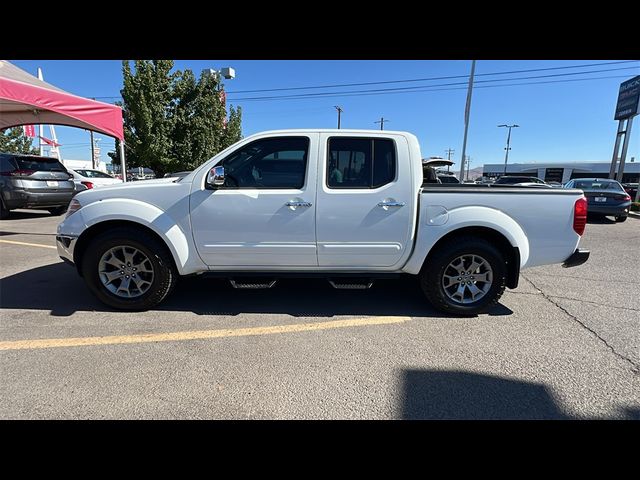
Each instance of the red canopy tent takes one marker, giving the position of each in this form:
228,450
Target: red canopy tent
27,100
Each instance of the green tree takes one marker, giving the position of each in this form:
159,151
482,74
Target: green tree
233,132
198,120
147,103
13,140
174,121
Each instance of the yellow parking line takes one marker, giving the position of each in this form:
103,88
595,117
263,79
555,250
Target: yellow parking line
28,244
196,334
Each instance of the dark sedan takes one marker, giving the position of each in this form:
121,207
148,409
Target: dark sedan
604,196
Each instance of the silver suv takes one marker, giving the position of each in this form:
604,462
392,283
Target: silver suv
30,181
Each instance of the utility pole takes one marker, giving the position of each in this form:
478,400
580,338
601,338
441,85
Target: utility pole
381,122
93,151
507,148
449,151
339,109
467,111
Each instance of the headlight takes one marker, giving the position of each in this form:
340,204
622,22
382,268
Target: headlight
74,206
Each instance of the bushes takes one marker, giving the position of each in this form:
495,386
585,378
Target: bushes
635,207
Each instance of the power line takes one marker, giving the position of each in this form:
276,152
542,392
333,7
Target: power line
425,79
396,89
431,89
418,79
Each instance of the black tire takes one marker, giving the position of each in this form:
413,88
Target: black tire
431,276
57,210
4,212
622,218
165,273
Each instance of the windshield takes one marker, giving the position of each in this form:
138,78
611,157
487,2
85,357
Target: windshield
93,174
39,164
598,185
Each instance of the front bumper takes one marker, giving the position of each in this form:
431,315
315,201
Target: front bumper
66,245
578,257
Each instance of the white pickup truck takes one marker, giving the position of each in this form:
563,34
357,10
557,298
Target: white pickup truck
351,206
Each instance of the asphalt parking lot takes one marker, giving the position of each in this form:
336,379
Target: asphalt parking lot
564,345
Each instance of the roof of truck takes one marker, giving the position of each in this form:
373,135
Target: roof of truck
333,130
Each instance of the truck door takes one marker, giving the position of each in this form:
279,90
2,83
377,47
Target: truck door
365,201
264,214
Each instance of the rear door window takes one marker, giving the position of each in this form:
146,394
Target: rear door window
360,162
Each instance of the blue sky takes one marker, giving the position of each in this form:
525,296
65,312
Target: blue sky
569,121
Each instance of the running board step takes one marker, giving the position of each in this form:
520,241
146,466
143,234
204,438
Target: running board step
351,284
263,283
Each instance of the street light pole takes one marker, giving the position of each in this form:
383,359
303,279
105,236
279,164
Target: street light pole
507,148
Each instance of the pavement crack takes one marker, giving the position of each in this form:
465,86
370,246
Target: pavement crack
601,280
594,303
635,368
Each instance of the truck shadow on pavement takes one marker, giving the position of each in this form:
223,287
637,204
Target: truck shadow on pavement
460,395
59,289
464,395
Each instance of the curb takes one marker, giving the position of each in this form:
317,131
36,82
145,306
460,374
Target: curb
635,215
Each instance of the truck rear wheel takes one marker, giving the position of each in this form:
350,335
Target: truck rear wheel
128,269
465,277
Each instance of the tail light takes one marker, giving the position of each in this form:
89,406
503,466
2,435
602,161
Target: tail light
87,184
624,198
580,215
18,173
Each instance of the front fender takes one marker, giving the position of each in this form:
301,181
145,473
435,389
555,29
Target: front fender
150,216
431,230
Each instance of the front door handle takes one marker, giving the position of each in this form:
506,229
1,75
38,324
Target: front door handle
298,204
391,204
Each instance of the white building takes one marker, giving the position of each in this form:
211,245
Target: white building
84,164
562,171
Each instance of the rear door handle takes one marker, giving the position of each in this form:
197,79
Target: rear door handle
391,204
298,204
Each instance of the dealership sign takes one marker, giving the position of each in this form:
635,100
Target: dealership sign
628,98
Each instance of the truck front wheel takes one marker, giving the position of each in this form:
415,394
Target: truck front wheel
128,269
465,277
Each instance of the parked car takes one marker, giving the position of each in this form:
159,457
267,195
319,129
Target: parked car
140,173
177,174
631,189
555,184
272,205
31,181
447,177
86,179
430,174
604,196
520,181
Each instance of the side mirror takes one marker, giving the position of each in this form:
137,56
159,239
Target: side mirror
215,177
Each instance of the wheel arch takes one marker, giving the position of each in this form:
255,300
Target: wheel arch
510,253
98,228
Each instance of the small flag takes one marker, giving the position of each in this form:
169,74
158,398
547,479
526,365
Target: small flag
29,131
223,97
49,142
